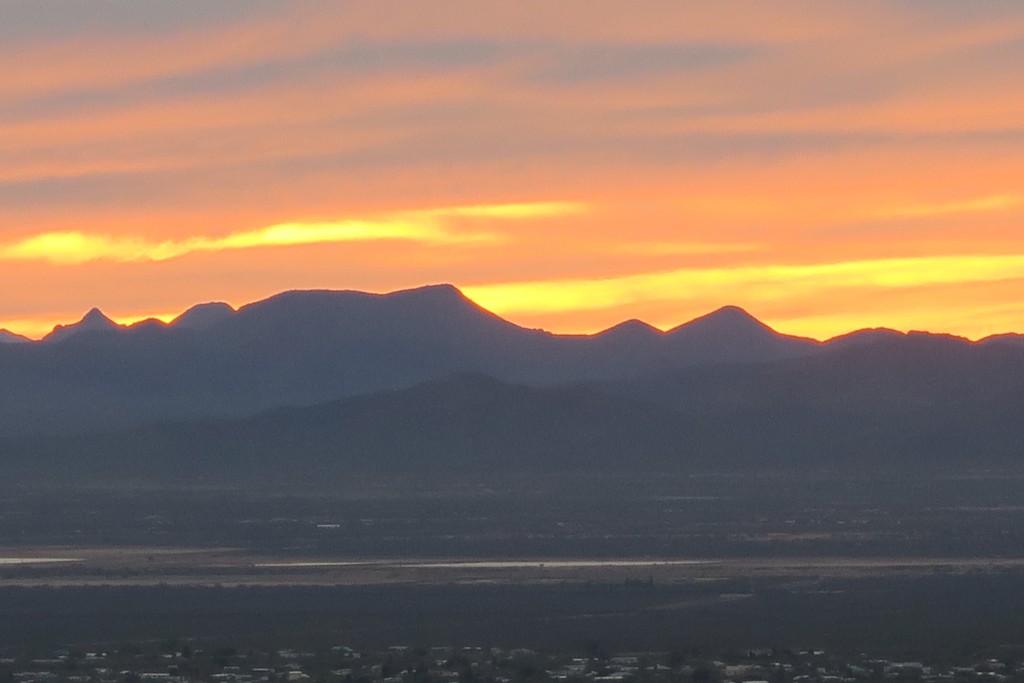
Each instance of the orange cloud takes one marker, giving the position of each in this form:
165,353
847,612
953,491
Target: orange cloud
428,226
743,283
1000,202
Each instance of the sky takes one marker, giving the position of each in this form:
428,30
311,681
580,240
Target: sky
826,165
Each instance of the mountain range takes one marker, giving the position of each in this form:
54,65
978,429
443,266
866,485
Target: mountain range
302,348
315,380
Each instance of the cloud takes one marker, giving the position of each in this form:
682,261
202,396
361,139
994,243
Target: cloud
743,283
520,210
50,18
344,64
1001,202
642,248
431,226
583,64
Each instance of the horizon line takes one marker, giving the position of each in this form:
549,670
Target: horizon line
35,332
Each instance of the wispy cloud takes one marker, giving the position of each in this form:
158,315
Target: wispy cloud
586,64
431,226
999,202
511,211
684,248
743,284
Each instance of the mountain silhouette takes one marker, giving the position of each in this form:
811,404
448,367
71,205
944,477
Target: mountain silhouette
8,337
92,322
863,337
730,334
1007,339
930,404
630,332
202,316
464,422
425,377
306,347
918,398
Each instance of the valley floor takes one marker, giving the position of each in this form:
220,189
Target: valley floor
904,566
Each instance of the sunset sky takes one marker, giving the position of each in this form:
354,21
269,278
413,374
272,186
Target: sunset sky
826,165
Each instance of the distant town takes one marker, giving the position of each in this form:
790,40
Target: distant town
178,662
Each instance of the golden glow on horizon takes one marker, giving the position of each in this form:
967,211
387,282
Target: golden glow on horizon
427,226
37,328
744,283
33,328
132,319
755,287
828,166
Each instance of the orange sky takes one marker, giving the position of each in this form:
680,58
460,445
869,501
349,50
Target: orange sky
827,166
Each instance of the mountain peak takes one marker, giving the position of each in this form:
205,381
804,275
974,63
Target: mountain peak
630,329
202,316
8,337
93,321
96,318
733,313
442,293
730,334
868,335
441,288
1006,338
441,300
725,320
